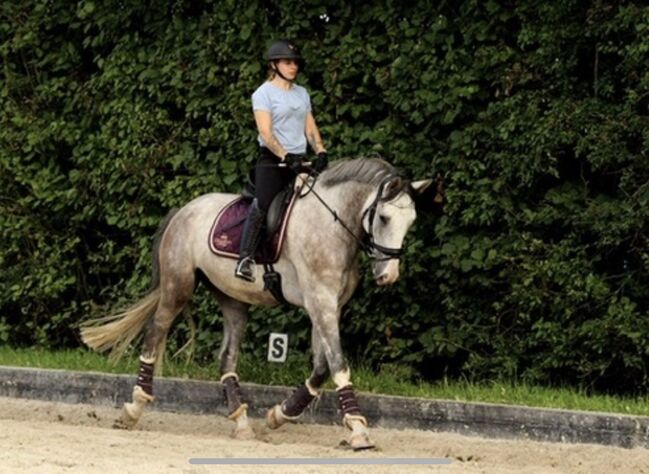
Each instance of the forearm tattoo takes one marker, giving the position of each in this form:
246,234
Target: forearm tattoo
315,141
275,146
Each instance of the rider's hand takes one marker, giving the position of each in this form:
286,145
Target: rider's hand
321,161
294,161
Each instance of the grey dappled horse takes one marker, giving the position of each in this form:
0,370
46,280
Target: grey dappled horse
319,268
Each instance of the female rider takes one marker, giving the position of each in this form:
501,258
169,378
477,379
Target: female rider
285,123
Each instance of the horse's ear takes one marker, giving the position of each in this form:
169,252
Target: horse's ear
392,187
421,186
429,199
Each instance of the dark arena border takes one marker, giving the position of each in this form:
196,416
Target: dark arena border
473,419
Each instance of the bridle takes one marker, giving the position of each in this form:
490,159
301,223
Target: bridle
388,253
370,247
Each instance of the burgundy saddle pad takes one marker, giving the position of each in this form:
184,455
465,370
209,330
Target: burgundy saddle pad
227,230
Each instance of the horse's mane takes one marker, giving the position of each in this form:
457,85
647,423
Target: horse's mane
361,170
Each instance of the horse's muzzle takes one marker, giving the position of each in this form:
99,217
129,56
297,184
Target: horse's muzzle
387,273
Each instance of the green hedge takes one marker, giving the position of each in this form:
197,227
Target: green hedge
113,112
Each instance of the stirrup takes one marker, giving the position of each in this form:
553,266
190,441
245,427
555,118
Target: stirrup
245,269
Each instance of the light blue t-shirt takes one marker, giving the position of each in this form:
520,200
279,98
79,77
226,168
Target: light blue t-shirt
288,110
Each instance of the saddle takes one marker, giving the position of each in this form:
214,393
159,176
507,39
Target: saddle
225,235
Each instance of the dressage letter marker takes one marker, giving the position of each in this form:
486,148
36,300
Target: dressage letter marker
277,347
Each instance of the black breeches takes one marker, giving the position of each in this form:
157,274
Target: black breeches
270,179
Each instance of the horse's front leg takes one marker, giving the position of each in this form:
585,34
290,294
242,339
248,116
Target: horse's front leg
235,315
325,314
293,407
351,413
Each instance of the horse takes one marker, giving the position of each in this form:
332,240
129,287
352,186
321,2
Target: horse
362,203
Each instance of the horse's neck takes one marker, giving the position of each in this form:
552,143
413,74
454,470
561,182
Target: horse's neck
348,200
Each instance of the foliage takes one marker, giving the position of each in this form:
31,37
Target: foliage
114,112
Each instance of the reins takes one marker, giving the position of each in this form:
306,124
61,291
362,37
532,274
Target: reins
337,218
370,246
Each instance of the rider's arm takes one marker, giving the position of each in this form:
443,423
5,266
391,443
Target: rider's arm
265,127
313,134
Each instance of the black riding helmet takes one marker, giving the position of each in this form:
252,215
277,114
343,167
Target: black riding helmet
284,49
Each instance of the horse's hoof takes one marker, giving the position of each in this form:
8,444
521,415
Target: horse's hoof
128,419
273,419
243,434
132,411
361,442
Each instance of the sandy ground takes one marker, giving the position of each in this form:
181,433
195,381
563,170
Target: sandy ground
54,437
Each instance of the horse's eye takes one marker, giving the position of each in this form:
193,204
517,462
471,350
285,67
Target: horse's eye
384,219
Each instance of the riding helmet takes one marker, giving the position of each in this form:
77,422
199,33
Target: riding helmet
283,49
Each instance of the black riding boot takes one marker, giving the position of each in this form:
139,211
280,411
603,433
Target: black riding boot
249,241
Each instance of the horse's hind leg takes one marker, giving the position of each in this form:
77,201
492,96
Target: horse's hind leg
235,316
293,407
176,292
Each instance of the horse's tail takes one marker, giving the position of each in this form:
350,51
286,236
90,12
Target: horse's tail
117,331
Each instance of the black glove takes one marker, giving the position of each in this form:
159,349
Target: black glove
321,161
294,161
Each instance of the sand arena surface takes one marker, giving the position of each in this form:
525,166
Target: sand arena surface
52,437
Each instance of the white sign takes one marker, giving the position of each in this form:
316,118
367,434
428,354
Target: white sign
277,347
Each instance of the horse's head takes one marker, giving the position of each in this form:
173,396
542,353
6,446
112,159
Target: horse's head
386,219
